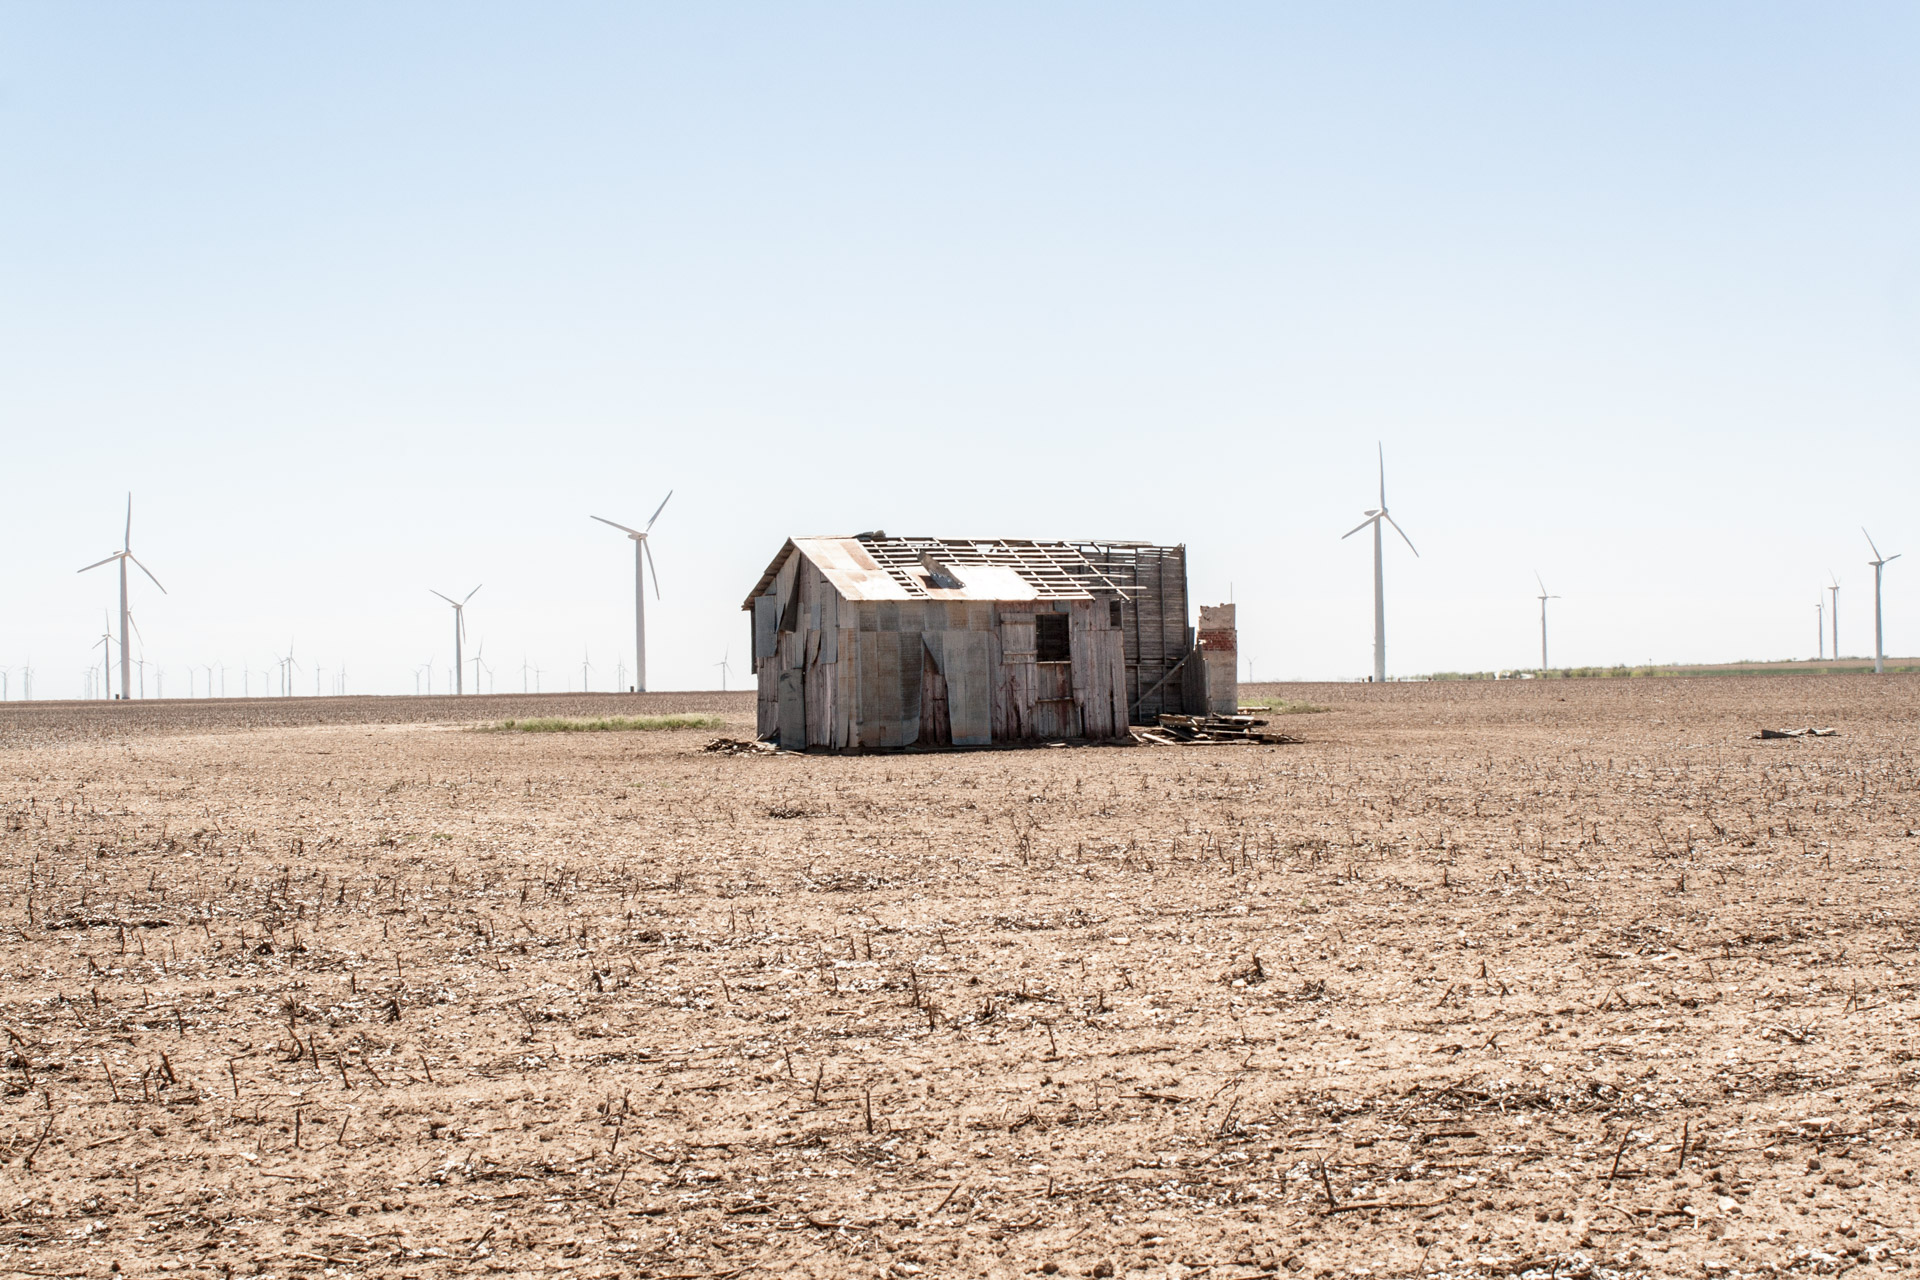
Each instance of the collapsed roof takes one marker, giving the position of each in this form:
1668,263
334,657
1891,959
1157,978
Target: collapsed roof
873,566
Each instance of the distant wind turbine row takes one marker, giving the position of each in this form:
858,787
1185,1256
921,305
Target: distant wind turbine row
1827,614
1379,516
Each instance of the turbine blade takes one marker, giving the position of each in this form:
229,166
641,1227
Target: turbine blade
648,552
155,581
1383,475
657,510
97,563
1895,556
1402,532
1536,575
1363,524
449,599
1869,538
127,543
474,592
616,524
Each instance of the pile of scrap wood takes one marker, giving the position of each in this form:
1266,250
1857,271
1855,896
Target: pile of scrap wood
1176,731
1798,733
734,747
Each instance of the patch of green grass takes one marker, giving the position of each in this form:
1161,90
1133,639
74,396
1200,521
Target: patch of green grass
606,724
1282,707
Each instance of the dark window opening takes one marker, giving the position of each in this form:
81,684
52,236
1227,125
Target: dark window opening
1050,641
1113,614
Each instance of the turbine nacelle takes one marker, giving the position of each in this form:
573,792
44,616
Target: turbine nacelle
1879,559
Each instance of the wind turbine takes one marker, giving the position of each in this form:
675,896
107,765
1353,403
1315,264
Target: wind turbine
1820,628
1833,614
287,667
1544,597
1878,562
123,555
478,654
1376,518
725,667
105,645
140,663
641,553
459,634
585,667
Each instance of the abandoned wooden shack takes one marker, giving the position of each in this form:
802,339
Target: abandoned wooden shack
873,642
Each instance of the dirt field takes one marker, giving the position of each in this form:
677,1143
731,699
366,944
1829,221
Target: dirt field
1544,979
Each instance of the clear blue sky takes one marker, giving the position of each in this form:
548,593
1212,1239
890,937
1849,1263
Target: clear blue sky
366,299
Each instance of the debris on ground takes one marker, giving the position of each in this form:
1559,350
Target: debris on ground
1798,733
739,747
1181,731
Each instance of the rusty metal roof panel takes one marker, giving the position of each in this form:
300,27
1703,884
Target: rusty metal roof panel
856,575
876,567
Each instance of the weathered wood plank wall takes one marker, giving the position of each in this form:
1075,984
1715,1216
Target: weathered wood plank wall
1153,622
845,675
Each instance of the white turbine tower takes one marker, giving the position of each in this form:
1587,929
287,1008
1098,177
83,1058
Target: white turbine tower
459,634
725,666
123,555
1820,629
1544,597
641,552
1878,562
1833,614
1375,518
105,645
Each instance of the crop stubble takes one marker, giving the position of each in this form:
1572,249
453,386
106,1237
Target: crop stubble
1482,978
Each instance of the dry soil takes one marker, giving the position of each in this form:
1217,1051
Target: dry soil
1544,979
